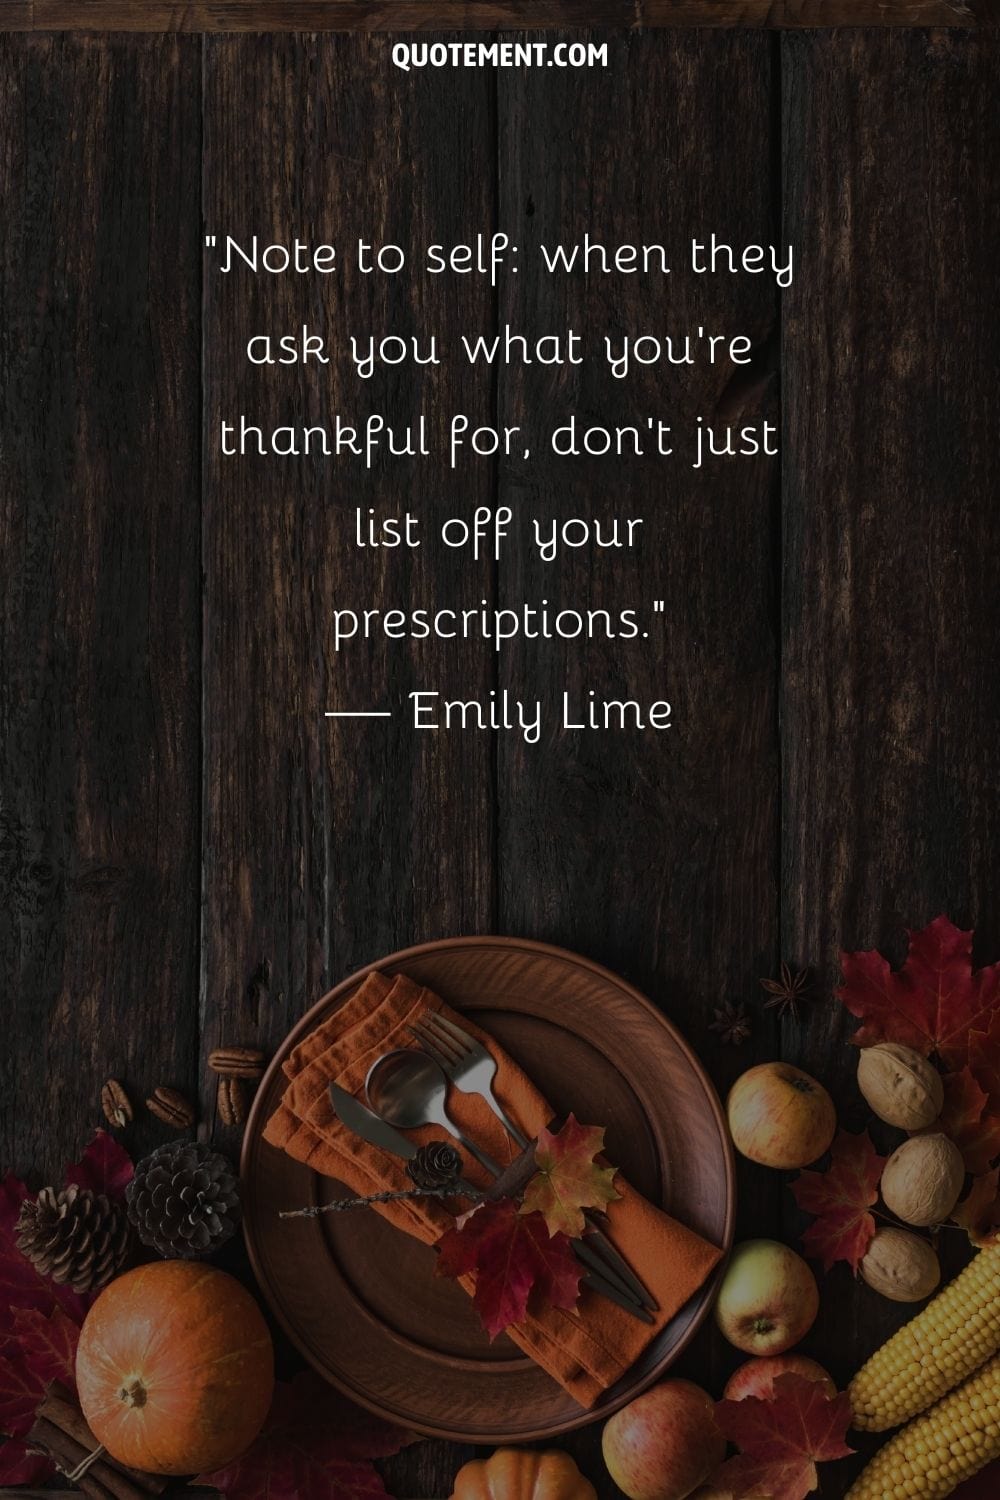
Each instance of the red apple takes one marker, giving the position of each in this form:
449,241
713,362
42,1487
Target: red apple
780,1117
757,1376
665,1443
768,1299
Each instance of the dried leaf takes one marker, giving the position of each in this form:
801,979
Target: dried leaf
20,1391
984,1059
19,1466
48,1344
569,1178
313,1443
933,1003
513,1259
977,1135
979,1211
782,1440
105,1167
840,1197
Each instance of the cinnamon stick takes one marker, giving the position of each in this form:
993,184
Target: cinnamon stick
66,1455
60,1408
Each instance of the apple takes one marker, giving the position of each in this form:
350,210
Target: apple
780,1117
665,1443
768,1299
756,1377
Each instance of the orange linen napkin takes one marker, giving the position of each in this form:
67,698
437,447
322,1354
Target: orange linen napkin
585,1351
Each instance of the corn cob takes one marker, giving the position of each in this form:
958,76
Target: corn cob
934,1454
952,1336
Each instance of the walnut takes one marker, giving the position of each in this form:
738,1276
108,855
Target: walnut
901,1266
902,1087
923,1178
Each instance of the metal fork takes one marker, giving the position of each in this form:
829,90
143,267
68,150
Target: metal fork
471,1068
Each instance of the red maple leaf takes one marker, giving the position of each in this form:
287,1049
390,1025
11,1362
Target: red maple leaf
569,1178
48,1344
977,1135
979,1211
19,1466
105,1167
932,1004
21,1390
984,1059
840,1197
313,1443
513,1258
782,1440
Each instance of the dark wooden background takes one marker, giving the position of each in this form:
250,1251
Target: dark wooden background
190,854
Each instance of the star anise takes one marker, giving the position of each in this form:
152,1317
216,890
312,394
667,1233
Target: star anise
732,1024
788,992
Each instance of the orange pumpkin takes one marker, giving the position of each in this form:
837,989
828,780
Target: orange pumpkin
175,1368
513,1474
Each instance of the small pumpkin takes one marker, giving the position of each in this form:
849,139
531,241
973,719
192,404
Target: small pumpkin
175,1368
515,1474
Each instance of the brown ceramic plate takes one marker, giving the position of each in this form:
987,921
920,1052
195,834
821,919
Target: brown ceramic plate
359,1298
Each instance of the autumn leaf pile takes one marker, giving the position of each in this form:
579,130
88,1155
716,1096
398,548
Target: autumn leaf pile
39,1321
519,1255
940,1006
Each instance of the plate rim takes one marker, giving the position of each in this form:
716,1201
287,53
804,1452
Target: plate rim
253,1139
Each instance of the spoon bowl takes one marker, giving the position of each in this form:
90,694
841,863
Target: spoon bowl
408,1089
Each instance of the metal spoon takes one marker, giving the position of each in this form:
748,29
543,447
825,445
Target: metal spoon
409,1089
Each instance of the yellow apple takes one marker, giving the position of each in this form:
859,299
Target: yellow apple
768,1299
780,1117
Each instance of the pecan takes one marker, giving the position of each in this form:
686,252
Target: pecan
231,1101
116,1104
236,1062
171,1107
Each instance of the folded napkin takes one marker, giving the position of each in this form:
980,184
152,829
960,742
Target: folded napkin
586,1351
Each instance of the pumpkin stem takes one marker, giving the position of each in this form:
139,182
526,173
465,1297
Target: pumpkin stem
133,1394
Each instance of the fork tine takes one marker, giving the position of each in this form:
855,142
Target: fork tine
428,1046
444,1040
460,1037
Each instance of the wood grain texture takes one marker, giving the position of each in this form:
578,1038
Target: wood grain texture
329,842
484,15
890,714
99,518
655,852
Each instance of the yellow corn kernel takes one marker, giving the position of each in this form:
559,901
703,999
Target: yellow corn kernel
945,1342
938,1450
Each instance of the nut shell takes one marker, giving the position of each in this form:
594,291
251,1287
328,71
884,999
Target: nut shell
170,1106
902,1087
901,1266
923,1178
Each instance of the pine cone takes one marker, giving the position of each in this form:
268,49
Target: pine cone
184,1200
79,1238
436,1165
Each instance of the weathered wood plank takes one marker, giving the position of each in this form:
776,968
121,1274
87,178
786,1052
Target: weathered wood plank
890,718
330,843
99,521
485,15
653,852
